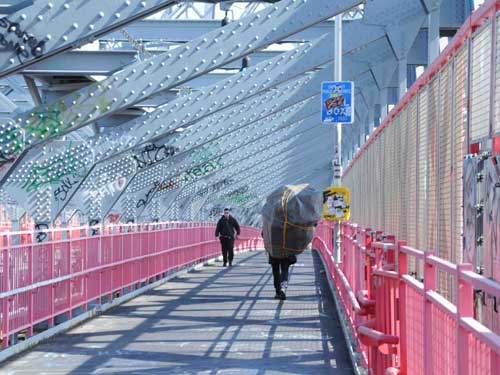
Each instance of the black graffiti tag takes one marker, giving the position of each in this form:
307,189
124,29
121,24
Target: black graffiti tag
93,223
149,195
215,187
61,193
153,154
26,46
40,234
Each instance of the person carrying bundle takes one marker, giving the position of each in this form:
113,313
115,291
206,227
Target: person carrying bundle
289,217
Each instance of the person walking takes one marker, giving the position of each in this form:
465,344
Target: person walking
225,230
280,274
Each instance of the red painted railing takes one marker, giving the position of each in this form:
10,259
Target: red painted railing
401,324
76,266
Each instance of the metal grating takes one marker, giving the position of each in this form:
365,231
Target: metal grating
459,136
403,175
496,122
422,196
411,167
444,201
481,75
432,160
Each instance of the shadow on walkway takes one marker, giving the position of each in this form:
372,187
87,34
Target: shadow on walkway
212,321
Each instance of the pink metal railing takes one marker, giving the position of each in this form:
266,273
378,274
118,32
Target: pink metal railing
402,325
76,266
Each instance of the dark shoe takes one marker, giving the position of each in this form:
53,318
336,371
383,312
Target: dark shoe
224,265
230,264
280,295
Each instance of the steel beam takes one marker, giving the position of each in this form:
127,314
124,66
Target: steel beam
44,28
163,72
191,110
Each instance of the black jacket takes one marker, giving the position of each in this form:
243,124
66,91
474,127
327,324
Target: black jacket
226,227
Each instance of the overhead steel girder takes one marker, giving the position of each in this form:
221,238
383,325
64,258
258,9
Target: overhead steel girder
259,195
148,181
105,147
186,142
261,192
296,178
47,28
356,36
278,126
190,109
143,79
224,176
247,150
140,184
261,174
280,151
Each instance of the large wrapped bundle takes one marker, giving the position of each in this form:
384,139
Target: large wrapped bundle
289,217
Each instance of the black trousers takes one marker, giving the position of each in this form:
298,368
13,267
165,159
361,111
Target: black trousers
280,273
227,245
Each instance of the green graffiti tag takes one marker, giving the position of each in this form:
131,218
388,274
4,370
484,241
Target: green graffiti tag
12,140
54,173
54,119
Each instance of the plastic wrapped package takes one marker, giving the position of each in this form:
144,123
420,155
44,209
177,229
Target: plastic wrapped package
289,218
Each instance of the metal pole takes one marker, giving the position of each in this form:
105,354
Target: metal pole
338,148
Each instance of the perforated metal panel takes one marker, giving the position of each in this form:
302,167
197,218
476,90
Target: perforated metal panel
481,75
459,137
422,196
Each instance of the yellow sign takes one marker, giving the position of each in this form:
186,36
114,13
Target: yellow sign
336,204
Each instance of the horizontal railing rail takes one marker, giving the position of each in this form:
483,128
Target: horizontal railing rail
401,324
73,268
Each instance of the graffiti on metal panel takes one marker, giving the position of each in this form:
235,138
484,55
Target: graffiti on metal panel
214,188
153,154
41,232
61,193
52,120
25,45
93,223
56,172
108,189
149,195
238,196
12,140
203,169
168,185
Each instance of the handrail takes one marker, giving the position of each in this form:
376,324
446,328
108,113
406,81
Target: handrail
397,311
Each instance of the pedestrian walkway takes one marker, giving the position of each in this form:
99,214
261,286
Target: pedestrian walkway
211,321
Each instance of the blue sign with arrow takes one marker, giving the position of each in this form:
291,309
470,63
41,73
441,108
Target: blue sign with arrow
337,102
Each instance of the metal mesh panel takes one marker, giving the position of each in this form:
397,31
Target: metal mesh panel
444,201
411,167
481,75
445,167
422,198
496,122
432,160
459,137
404,196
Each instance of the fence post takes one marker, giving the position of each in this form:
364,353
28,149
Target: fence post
465,309
402,269
429,285
5,300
